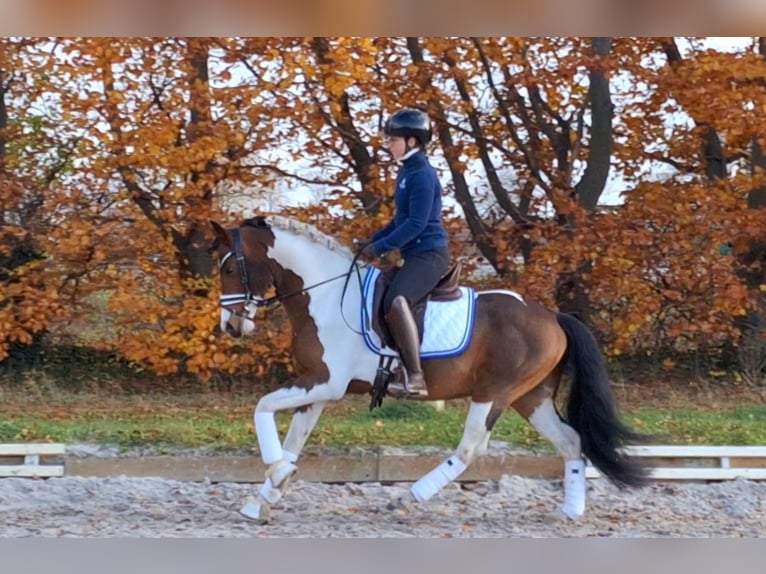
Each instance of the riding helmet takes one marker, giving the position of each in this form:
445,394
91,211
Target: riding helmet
409,122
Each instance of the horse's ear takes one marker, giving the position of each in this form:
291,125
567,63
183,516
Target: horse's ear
257,221
221,234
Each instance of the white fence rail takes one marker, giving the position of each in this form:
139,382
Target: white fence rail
24,459
700,462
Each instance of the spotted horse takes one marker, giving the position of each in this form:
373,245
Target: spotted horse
516,357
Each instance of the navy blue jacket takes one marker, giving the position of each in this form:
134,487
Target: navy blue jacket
417,225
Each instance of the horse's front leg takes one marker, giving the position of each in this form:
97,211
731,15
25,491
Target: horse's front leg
279,474
282,460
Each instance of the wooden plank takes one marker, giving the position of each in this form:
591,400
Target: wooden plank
410,468
30,454
739,462
30,471
246,469
669,462
23,449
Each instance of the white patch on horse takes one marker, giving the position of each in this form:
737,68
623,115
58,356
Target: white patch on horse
474,434
547,422
225,316
317,261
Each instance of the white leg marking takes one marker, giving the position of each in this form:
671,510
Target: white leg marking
294,397
285,398
475,431
438,478
574,489
300,429
281,461
483,447
567,443
225,316
474,434
301,426
269,493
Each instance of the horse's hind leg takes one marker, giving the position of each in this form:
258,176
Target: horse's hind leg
538,408
475,434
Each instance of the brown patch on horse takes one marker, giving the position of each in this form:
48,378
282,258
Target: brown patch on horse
307,349
514,347
359,387
256,238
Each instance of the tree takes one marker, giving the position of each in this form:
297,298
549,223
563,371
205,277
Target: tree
115,152
29,299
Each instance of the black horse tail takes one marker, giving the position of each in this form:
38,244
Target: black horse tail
592,411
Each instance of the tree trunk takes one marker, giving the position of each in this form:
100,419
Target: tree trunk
192,246
593,181
571,292
3,124
362,162
712,150
756,199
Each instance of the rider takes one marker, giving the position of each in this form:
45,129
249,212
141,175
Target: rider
417,231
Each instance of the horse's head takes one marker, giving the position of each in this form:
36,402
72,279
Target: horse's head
246,272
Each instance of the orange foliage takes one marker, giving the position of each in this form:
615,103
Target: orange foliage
116,152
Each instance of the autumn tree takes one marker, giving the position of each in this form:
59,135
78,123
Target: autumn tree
681,285
115,152
29,163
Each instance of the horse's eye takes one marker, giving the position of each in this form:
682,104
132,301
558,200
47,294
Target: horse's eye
228,270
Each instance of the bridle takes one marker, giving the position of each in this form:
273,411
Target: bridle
253,302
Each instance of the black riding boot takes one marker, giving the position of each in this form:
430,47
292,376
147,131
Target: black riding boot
402,326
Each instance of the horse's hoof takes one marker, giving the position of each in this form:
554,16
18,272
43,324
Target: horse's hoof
572,512
281,472
402,501
256,511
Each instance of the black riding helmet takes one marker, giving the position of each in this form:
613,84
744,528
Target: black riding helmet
409,123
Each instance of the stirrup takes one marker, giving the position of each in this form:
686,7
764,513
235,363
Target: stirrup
400,387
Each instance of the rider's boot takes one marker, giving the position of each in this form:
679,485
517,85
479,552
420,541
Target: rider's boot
404,330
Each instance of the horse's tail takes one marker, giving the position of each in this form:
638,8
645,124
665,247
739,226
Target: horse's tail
592,411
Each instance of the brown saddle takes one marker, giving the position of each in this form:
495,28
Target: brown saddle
447,289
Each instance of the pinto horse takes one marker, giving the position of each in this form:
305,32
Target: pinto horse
516,356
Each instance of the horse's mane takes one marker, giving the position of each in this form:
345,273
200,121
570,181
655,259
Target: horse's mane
299,228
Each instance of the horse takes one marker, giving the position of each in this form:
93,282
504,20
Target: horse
516,356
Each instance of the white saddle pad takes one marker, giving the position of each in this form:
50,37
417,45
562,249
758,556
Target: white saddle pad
447,329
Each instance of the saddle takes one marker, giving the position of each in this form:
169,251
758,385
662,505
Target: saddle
447,289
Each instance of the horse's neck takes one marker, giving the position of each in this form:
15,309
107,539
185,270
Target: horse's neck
315,263
312,260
